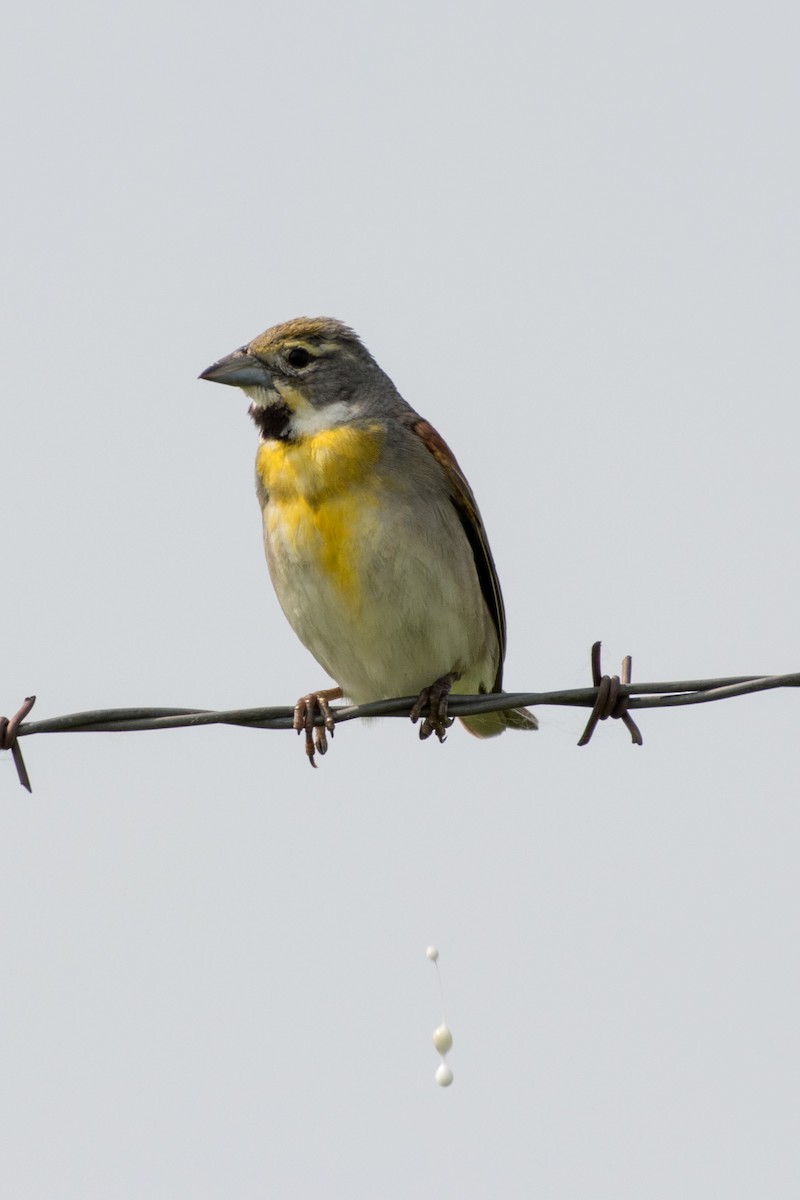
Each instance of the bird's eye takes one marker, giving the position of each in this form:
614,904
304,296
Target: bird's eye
298,357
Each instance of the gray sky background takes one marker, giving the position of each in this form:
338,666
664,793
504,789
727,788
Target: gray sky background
570,235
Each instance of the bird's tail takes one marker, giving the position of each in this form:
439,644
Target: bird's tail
487,725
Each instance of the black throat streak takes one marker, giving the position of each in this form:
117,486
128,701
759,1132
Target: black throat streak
274,421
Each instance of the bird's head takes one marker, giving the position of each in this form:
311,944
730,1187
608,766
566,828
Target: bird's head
301,377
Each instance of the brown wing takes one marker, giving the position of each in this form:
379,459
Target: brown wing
467,510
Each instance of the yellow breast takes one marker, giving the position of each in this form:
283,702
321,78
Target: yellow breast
321,492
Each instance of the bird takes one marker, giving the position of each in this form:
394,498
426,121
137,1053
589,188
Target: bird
374,542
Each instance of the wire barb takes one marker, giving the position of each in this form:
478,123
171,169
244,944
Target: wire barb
611,700
8,740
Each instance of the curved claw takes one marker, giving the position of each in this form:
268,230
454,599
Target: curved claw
306,711
434,698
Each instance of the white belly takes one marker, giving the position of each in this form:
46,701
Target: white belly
389,609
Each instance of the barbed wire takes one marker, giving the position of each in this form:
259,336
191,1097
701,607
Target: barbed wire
610,696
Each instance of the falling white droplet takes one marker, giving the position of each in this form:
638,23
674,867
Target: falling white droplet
442,1039
444,1076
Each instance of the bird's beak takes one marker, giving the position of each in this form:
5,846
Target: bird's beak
239,369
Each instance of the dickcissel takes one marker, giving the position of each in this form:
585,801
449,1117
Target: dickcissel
374,542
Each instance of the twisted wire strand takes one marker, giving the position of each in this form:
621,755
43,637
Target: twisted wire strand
626,695
640,695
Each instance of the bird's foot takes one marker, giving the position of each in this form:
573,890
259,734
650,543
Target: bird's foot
434,698
305,713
